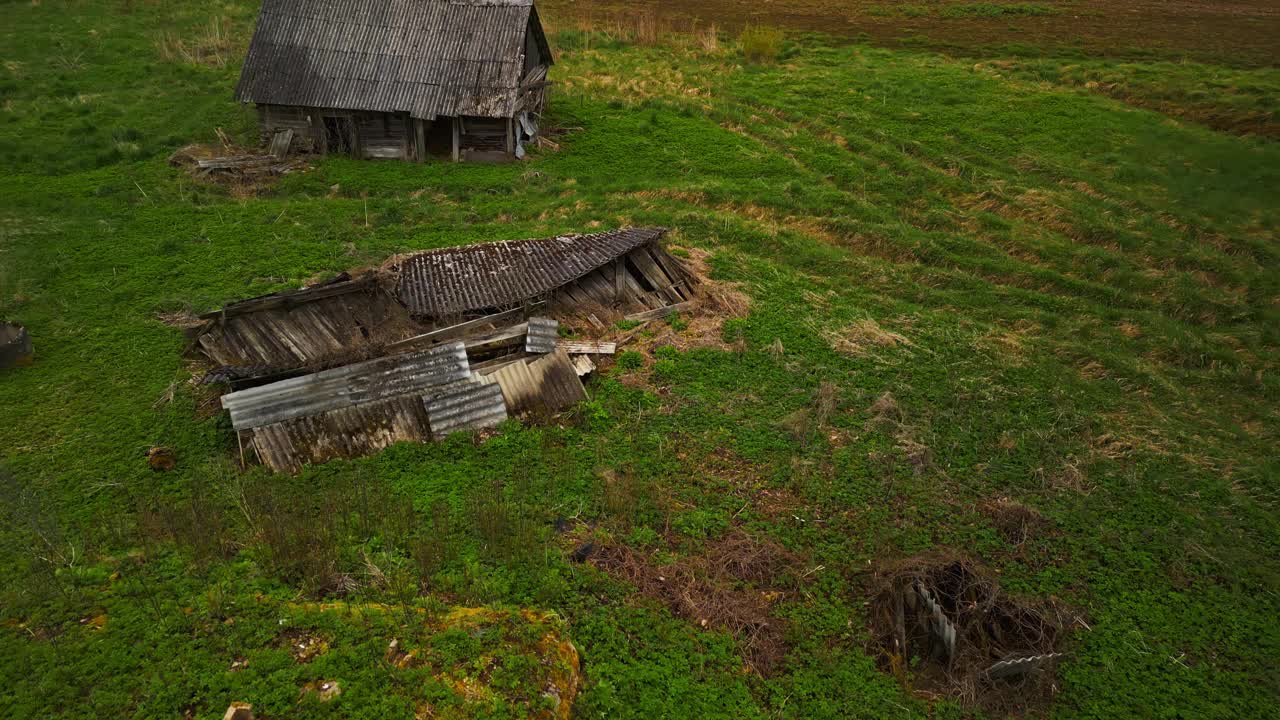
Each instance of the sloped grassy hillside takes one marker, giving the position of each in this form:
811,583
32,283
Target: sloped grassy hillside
970,291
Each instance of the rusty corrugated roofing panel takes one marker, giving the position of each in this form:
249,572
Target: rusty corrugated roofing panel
423,57
464,405
542,334
493,276
346,386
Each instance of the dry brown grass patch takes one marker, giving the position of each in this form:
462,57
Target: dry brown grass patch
731,587
213,45
860,337
1015,522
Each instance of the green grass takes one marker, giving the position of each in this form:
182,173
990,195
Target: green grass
966,10
994,10
1221,98
1087,294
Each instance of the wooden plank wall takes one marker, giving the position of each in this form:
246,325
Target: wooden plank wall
273,118
384,135
484,135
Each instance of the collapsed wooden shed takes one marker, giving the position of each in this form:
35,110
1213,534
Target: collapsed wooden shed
405,79
431,342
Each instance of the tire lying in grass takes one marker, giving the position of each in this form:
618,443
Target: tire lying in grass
15,346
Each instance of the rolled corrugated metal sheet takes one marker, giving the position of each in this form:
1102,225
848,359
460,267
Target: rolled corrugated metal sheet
493,276
542,334
465,405
557,380
346,386
424,57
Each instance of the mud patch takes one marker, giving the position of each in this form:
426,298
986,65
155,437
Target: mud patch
942,626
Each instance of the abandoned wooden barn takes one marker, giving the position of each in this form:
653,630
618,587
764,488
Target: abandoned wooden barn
405,79
432,342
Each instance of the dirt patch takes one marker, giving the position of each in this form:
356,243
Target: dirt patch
733,586
941,625
303,646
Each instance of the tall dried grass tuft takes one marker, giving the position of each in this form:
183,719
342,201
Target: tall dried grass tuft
211,47
709,39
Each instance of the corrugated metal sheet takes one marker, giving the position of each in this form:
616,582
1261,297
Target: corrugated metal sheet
464,405
519,389
542,335
423,57
346,386
494,276
583,365
345,432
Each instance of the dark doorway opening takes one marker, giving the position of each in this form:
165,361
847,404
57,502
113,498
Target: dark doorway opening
339,135
440,137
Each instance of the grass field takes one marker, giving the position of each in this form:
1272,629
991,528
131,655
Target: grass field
976,283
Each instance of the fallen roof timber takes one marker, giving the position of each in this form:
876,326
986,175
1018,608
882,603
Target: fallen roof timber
438,295
454,338
587,347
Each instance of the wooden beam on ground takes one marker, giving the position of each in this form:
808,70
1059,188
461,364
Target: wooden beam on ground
660,312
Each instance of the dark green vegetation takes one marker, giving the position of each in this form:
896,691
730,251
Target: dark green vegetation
965,285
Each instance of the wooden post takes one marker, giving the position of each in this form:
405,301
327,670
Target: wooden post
511,138
420,132
457,129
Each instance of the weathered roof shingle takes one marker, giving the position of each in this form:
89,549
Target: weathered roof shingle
423,57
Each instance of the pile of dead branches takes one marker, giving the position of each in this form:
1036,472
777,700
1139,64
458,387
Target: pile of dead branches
943,627
732,586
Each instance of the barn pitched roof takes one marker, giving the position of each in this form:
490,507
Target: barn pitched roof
423,57
455,280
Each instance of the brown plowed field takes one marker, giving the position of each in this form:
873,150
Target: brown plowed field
1241,32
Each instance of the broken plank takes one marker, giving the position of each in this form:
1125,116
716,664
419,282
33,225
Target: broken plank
455,331
514,335
654,274
660,312
586,347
